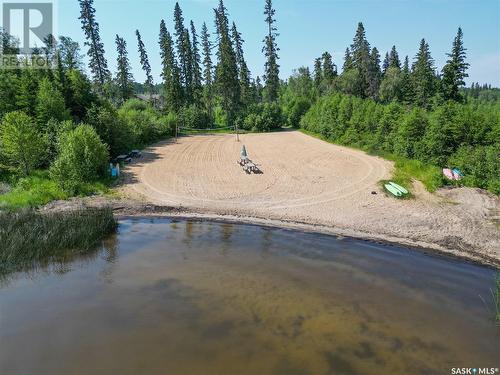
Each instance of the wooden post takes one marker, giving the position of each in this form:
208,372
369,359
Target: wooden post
237,134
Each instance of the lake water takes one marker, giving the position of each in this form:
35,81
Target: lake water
183,297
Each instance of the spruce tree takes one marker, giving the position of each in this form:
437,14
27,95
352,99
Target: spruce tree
189,73
318,72
423,75
183,53
97,61
375,74
243,71
394,61
347,60
406,92
170,71
360,49
329,68
270,49
146,67
124,77
196,61
206,45
226,73
386,63
455,70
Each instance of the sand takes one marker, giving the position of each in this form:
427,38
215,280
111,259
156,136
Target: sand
310,184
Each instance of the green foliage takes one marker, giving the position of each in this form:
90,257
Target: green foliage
82,158
264,117
194,117
32,191
30,238
50,104
22,145
453,135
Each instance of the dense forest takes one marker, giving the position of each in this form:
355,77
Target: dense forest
60,127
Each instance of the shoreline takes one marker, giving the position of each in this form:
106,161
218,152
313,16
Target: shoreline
431,249
131,208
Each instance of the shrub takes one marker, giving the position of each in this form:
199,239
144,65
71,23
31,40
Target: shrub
21,144
194,117
264,117
82,158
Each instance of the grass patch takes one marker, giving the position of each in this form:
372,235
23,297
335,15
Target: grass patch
405,170
38,189
30,239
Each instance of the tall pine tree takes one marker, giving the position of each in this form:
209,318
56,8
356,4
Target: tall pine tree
394,61
360,49
271,68
226,74
318,72
170,70
196,62
124,78
455,70
423,75
97,61
146,67
329,68
243,71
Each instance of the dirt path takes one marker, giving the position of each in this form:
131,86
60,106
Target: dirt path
306,180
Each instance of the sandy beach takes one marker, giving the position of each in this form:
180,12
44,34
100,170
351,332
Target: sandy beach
307,183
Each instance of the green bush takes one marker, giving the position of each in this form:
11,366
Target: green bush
264,117
21,144
194,117
32,191
82,158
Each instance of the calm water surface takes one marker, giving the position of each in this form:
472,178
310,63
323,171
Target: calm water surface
176,297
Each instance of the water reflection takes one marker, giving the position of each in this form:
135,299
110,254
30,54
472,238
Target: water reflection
210,298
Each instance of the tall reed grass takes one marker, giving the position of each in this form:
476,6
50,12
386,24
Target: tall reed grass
29,238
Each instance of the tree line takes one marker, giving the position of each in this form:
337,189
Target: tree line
397,109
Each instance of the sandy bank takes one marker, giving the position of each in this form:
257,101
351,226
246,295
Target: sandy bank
308,184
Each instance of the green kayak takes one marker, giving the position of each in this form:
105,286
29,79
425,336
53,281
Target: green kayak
399,187
391,189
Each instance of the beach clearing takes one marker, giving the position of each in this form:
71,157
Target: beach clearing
308,182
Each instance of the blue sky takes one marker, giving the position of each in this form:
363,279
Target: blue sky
308,28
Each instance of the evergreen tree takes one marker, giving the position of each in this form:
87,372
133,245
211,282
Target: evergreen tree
394,61
207,56
386,63
196,60
146,67
189,74
406,91
423,75
271,68
347,60
318,72
360,49
124,77
226,74
97,61
170,71
183,53
329,68
375,74
244,73
455,70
